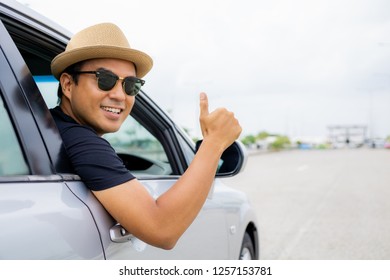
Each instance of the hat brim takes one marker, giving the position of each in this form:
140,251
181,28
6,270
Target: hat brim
141,60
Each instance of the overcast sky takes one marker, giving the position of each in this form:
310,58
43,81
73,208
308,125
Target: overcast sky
287,67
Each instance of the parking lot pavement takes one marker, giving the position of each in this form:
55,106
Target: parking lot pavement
320,204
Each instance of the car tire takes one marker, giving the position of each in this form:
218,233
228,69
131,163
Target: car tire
247,251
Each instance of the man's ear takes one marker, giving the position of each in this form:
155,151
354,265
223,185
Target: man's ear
66,82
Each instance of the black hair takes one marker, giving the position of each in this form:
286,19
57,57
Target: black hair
71,70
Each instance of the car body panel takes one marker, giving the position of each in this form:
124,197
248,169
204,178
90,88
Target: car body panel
207,232
44,220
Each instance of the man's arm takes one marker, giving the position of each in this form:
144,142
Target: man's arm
161,222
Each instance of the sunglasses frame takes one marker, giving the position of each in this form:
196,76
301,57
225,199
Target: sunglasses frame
100,74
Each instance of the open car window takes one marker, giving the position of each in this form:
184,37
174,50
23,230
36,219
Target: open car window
48,85
141,151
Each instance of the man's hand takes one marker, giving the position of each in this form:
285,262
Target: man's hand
220,126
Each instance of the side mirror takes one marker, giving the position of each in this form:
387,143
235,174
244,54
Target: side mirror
232,161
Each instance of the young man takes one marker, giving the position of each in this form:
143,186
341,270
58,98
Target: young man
99,76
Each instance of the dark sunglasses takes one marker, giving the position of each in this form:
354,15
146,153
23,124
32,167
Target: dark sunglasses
107,80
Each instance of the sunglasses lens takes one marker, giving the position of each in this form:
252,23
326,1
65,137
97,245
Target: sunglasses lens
107,81
132,85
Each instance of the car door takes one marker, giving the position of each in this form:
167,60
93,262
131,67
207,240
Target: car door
40,218
73,212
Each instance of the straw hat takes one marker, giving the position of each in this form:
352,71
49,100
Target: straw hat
103,40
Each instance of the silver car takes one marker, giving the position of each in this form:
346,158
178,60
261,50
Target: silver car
46,212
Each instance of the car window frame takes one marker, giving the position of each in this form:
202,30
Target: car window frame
154,119
35,127
20,115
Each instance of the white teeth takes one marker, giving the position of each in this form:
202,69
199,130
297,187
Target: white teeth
112,110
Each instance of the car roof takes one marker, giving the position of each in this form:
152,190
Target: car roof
26,15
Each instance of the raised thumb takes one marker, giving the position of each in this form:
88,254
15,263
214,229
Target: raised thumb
204,104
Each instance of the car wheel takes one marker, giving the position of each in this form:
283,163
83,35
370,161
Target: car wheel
247,250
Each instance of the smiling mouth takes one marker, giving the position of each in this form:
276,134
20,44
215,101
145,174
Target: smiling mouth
112,110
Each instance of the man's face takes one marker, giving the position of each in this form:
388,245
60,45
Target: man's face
104,111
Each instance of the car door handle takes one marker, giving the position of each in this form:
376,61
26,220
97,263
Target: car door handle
118,234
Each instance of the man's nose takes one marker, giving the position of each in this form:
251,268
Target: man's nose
117,92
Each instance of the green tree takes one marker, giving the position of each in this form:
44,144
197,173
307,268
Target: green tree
262,135
281,142
249,139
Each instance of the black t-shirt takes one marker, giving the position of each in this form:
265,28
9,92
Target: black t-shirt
91,156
